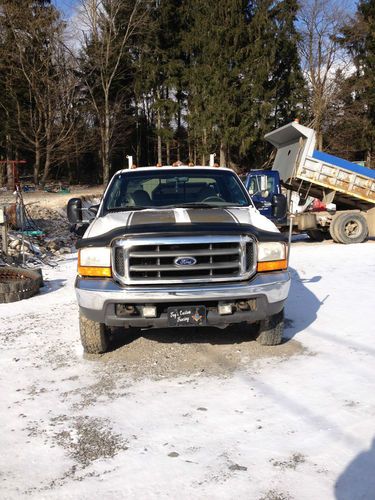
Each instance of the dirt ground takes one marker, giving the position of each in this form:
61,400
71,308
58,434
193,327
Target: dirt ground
53,200
158,354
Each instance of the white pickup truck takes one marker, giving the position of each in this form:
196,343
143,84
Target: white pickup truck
176,247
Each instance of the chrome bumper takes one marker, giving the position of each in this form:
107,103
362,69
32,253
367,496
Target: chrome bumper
95,294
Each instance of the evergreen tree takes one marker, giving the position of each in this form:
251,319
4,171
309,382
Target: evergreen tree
351,123
274,83
244,74
359,39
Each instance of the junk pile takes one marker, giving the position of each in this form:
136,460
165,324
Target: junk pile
35,235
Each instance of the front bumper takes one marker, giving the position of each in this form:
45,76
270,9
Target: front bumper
97,299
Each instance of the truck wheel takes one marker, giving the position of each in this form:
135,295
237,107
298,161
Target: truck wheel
94,336
271,329
332,230
315,235
349,228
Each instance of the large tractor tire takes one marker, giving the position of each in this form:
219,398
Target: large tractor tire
94,335
17,283
271,330
349,227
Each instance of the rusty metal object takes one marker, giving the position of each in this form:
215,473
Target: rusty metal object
17,283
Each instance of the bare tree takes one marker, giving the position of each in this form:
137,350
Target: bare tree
43,86
110,29
320,22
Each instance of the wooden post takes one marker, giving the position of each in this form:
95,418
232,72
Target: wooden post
4,230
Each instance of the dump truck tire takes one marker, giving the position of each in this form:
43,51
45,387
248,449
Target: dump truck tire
17,283
332,230
350,227
94,335
271,330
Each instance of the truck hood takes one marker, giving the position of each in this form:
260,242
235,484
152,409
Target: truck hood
176,216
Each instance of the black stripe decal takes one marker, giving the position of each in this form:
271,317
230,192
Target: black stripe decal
216,215
152,217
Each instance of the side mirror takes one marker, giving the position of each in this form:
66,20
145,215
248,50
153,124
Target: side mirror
279,206
74,210
79,229
94,209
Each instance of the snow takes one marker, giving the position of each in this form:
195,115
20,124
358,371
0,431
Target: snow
295,427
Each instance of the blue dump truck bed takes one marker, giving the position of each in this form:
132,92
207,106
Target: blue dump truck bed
340,162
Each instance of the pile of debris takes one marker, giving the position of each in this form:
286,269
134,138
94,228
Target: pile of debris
44,240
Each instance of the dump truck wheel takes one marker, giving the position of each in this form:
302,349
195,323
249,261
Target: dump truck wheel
332,230
349,228
271,330
17,283
316,235
94,335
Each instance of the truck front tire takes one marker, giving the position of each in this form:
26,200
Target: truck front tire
271,330
94,335
350,227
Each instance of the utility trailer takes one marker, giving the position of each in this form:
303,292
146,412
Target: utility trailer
346,190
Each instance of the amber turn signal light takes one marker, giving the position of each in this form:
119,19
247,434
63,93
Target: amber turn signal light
273,265
103,272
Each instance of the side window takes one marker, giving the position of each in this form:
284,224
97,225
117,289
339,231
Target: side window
235,192
114,194
253,186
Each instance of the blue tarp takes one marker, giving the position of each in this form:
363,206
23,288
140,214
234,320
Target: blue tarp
339,162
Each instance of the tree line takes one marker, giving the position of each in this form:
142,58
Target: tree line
176,80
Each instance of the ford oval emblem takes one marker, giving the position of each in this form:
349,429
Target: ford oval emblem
185,261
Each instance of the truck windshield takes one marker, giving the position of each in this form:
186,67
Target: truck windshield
191,187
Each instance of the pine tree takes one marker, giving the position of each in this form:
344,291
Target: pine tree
363,45
351,130
274,81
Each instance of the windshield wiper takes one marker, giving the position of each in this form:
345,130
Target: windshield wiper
127,209
200,205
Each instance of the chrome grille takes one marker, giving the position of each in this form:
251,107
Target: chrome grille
152,260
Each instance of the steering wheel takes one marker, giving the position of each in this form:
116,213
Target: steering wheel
212,198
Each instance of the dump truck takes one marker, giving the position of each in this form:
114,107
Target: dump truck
327,195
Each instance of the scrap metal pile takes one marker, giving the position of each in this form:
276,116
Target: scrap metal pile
36,235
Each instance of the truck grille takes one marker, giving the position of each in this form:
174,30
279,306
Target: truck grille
153,260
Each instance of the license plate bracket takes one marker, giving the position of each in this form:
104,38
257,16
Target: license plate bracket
187,316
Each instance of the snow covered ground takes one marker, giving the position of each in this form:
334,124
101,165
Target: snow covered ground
237,421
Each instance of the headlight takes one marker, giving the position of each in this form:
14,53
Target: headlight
271,256
271,251
94,262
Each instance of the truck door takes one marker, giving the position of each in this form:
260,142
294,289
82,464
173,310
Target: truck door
262,198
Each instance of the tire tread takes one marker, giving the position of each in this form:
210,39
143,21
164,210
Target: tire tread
271,330
94,336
